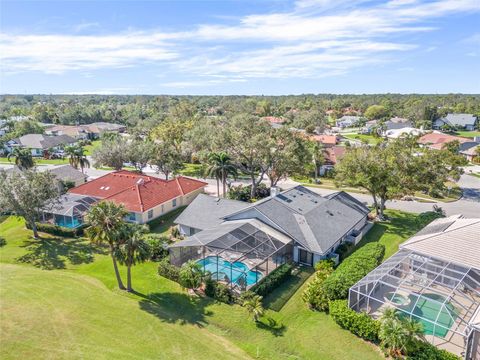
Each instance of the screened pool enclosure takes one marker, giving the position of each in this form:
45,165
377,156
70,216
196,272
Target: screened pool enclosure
68,210
442,296
238,253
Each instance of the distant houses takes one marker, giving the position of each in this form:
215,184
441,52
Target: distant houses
456,121
39,143
348,121
88,131
436,140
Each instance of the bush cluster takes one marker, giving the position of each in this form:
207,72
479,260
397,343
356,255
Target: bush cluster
354,268
158,246
426,351
272,280
344,249
359,324
314,295
218,291
242,193
58,230
168,270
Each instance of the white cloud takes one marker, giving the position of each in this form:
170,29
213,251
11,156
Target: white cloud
316,38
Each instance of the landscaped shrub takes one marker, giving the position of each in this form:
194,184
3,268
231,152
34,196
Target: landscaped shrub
168,270
57,230
242,193
272,280
344,249
426,351
223,293
158,246
3,242
210,286
359,324
352,269
314,295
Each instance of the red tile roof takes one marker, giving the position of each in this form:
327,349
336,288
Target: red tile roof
438,139
325,139
137,192
334,154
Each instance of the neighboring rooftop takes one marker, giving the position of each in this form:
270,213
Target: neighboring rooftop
453,239
207,211
459,119
334,154
39,141
328,140
438,139
137,192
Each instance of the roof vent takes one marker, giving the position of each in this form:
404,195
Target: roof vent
107,187
329,213
102,187
140,181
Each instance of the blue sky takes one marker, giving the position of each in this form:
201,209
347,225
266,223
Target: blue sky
240,47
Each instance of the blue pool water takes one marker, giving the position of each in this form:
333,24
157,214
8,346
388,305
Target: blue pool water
237,270
69,223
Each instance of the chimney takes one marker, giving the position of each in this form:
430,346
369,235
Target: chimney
274,191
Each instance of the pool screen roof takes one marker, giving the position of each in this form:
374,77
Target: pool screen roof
248,237
71,205
453,290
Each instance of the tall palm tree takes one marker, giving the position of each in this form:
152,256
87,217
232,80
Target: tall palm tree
394,334
77,157
133,248
23,158
221,166
106,220
71,151
255,307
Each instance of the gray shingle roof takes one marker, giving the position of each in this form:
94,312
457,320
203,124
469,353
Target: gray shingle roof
315,222
459,119
39,141
67,172
207,211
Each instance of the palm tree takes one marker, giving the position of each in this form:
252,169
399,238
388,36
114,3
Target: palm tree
23,158
254,306
82,159
133,248
105,221
221,166
77,157
191,275
393,333
71,151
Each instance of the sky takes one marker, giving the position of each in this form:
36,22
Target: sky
270,47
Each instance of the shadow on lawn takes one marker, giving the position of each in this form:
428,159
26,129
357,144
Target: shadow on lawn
272,325
176,308
52,253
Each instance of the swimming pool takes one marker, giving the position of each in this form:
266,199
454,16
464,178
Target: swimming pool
429,307
233,271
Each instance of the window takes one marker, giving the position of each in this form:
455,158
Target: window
174,202
132,216
150,213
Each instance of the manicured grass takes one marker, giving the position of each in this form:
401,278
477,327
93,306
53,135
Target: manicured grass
163,224
76,310
370,139
192,170
469,134
38,161
89,148
477,175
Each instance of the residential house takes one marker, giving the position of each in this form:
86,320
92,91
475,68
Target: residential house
348,121
80,132
433,279
402,132
39,143
470,150
145,197
297,224
436,140
326,140
456,121
98,128
332,156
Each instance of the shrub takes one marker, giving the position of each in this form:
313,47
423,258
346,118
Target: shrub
223,293
3,242
158,246
168,270
314,295
58,230
344,249
242,193
272,280
359,324
352,269
210,286
426,351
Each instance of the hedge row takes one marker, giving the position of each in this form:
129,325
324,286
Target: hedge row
272,280
359,324
314,295
426,351
352,269
58,230
168,270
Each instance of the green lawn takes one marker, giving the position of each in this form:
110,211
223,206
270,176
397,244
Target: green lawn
370,139
89,148
73,309
469,134
38,161
163,224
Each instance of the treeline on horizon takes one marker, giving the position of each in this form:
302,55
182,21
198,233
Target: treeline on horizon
299,110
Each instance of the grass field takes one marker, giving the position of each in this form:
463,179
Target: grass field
469,134
38,161
370,139
74,308
89,148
